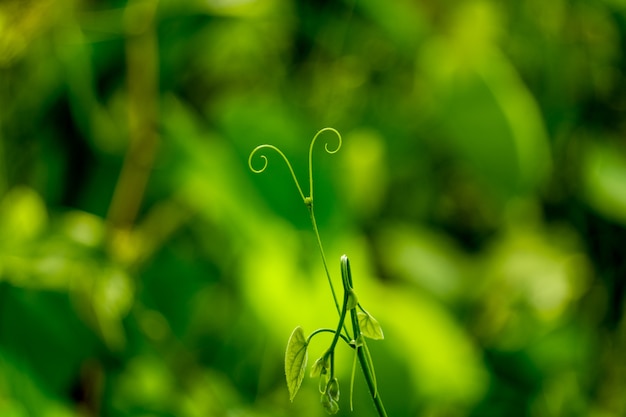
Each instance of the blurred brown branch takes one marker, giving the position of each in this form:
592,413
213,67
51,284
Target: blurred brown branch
142,82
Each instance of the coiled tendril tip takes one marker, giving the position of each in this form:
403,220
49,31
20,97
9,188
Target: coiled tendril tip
326,148
308,200
263,157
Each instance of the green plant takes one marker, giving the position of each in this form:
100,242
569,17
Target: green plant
363,324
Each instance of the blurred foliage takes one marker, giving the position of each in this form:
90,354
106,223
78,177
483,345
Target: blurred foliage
480,193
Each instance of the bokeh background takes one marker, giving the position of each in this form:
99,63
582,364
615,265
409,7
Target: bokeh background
480,194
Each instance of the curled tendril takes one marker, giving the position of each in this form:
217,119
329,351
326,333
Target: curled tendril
307,199
326,129
264,158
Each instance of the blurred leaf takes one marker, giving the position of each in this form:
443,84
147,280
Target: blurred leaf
529,282
295,361
604,179
83,228
425,258
23,394
23,215
403,21
112,297
490,119
441,357
365,175
145,382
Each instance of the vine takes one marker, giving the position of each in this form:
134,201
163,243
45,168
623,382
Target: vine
363,324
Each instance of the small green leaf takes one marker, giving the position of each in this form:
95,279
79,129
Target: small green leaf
323,382
295,361
369,326
333,389
329,404
353,300
320,366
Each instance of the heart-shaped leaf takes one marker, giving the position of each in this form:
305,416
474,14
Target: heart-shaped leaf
295,361
369,326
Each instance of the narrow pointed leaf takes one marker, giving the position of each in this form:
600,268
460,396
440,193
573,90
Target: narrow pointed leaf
369,326
295,361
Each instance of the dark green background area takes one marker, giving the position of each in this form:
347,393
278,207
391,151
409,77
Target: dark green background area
480,193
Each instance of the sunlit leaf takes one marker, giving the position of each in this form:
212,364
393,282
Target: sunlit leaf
295,361
23,214
369,326
604,174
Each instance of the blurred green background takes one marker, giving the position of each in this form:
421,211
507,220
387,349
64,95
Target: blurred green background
480,194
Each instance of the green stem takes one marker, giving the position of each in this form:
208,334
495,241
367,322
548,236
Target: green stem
378,402
342,318
364,361
361,347
309,204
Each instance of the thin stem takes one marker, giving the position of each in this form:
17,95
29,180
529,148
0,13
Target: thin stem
325,330
312,212
319,244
